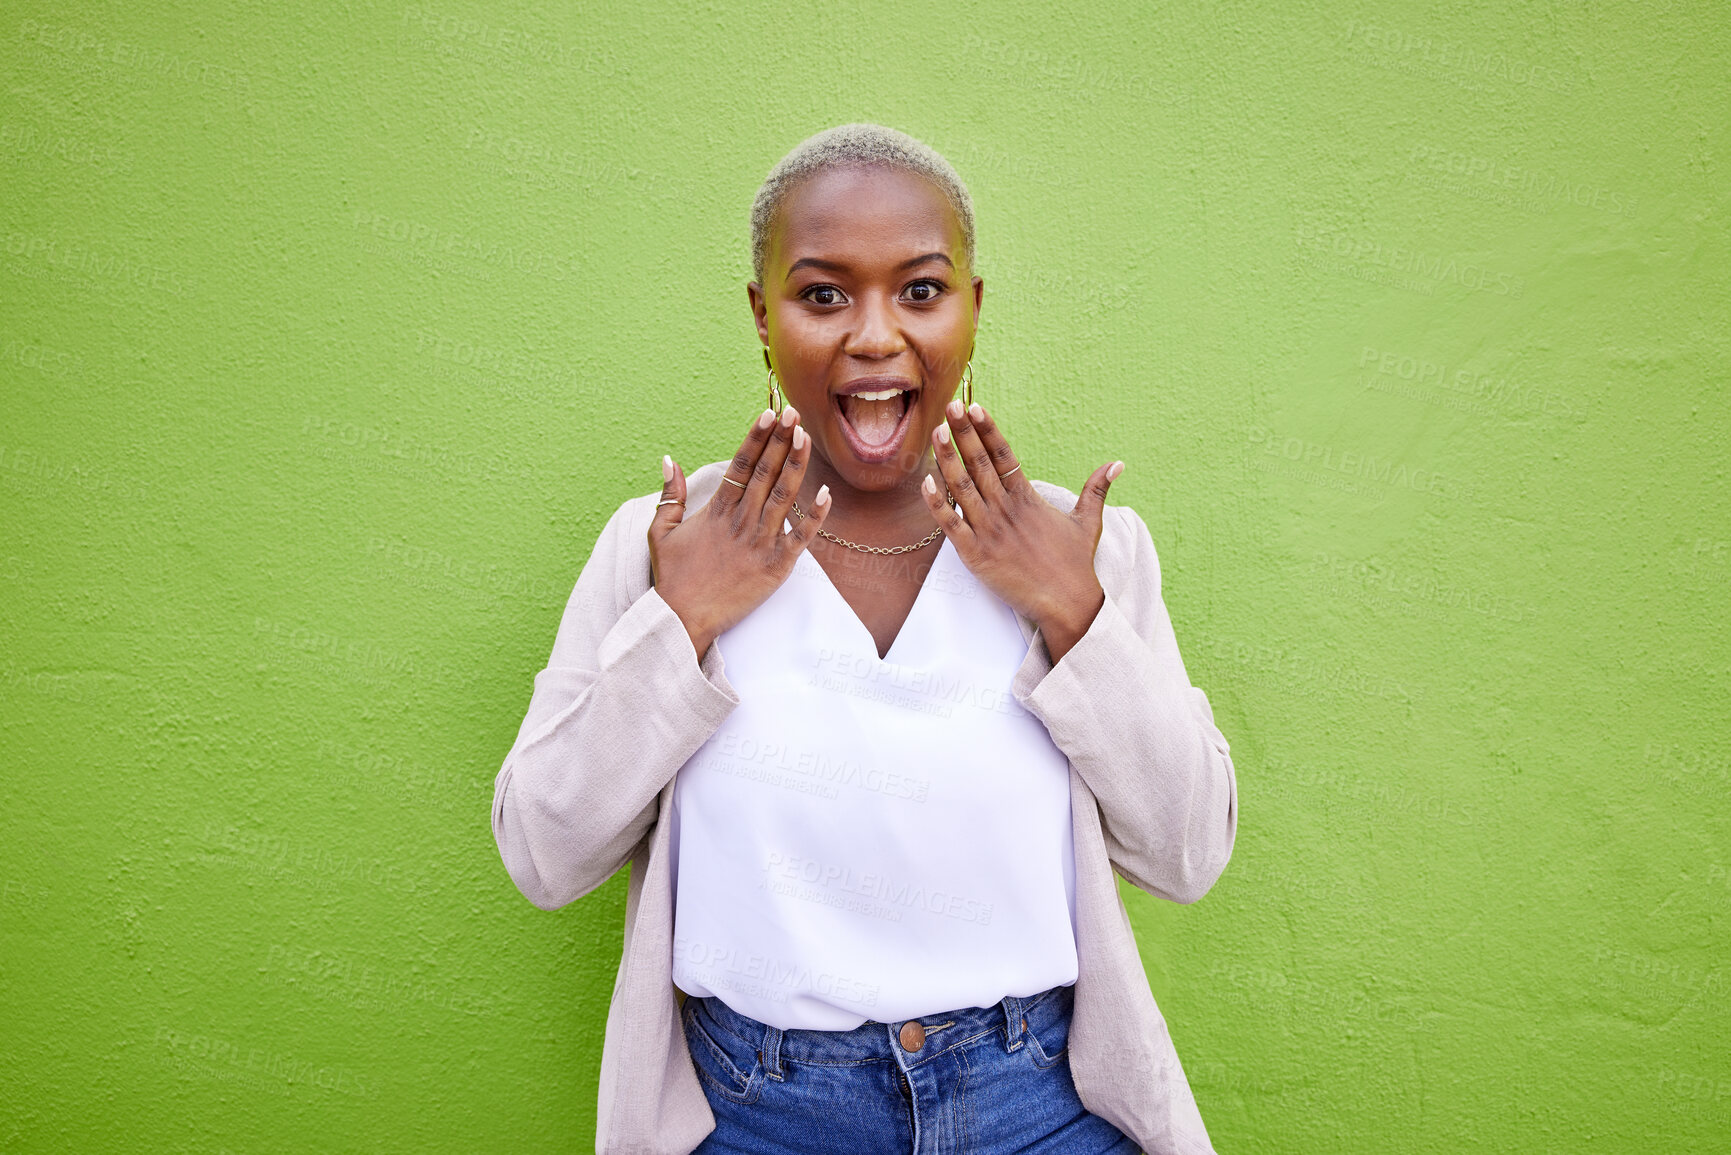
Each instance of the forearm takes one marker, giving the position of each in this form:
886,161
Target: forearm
1066,621
1143,740
578,792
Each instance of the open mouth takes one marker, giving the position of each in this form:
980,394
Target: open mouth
875,416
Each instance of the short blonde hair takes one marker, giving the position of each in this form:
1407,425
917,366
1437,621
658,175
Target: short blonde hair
856,144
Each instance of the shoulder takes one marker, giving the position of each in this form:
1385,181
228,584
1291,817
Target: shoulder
1126,547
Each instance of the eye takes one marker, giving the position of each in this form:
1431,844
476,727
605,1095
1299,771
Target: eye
920,292
824,295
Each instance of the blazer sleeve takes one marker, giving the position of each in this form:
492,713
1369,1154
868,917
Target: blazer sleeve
621,706
1121,707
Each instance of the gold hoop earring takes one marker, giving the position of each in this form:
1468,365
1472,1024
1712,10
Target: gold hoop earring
776,401
968,383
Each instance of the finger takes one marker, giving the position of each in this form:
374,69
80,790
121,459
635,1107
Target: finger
731,488
1091,506
786,488
806,530
768,467
956,476
973,452
948,519
667,513
1004,462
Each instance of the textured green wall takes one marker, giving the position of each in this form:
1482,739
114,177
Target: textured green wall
330,339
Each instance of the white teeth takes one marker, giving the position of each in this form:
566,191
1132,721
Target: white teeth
880,394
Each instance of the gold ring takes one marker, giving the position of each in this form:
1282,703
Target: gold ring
668,501
730,481
1001,476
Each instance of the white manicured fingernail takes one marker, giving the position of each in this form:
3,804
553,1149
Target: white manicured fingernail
1114,470
798,437
666,467
767,419
976,413
929,485
788,417
822,497
943,436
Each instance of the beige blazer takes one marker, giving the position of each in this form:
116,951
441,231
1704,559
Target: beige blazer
624,702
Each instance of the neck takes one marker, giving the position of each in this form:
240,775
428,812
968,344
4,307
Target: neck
875,515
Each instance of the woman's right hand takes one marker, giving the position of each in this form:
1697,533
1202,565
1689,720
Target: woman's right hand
724,561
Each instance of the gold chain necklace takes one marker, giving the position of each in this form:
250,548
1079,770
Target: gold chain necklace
885,550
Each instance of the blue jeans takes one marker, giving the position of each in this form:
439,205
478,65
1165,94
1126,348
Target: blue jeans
984,1081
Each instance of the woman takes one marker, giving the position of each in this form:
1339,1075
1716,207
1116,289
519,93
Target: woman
873,716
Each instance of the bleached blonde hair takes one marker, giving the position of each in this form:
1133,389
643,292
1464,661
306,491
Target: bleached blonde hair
856,144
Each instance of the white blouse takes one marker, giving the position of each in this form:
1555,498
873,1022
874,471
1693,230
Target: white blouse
869,838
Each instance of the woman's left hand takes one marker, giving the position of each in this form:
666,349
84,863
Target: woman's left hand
1035,558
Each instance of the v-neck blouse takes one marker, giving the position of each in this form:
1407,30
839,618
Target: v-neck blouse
624,702
873,838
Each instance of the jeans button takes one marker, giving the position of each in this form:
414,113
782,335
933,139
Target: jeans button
913,1036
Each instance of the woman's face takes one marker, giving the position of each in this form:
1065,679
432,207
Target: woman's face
868,316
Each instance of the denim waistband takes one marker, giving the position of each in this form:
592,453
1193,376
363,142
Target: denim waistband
877,1040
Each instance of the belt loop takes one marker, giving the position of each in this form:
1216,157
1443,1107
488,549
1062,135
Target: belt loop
1013,1022
772,1052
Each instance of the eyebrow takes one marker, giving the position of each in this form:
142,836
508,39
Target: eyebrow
836,266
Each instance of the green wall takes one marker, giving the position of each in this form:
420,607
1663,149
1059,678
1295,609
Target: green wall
330,339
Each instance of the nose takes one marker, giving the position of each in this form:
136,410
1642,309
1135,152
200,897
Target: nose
878,336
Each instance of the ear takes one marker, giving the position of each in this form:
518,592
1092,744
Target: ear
759,309
979,298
